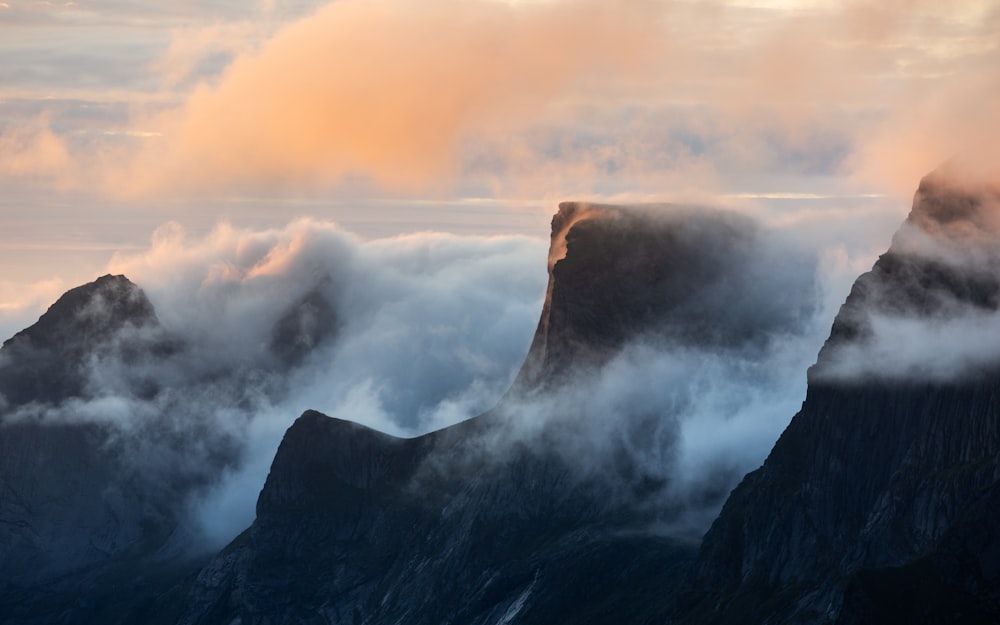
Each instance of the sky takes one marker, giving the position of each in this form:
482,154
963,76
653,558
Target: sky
405,158
472,117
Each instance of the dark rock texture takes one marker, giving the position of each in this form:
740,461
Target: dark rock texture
355,526
878,503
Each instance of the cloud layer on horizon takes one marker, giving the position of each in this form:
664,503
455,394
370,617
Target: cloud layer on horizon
524,98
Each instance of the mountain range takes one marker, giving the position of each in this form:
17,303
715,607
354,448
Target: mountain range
875,505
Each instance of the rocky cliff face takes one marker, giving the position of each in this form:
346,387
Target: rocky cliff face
874,504
690,276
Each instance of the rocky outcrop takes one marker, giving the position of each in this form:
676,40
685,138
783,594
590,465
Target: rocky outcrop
880,487
687,276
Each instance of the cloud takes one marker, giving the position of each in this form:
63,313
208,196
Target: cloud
548,98
35,151
412,312
384,90
21,304
670,429
905,348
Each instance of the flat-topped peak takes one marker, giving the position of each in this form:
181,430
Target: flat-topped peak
659,271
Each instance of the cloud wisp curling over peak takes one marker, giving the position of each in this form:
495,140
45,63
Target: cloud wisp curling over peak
254,327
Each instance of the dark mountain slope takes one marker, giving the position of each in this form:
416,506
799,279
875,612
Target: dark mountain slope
877,503
343,534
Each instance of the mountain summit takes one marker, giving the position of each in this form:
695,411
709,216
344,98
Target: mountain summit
43,362
76,516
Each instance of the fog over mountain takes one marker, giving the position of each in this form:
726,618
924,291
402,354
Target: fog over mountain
414,333
589,456
932,316
568,501
672,346
405,335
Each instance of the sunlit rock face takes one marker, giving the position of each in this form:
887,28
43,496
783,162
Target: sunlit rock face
878,503
503,518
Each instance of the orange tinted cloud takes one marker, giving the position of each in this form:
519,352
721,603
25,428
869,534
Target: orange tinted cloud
413,97
33,150
384,90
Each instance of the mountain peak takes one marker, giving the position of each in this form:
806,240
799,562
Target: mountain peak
92,310
660,271
40,361
943,265
885,482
